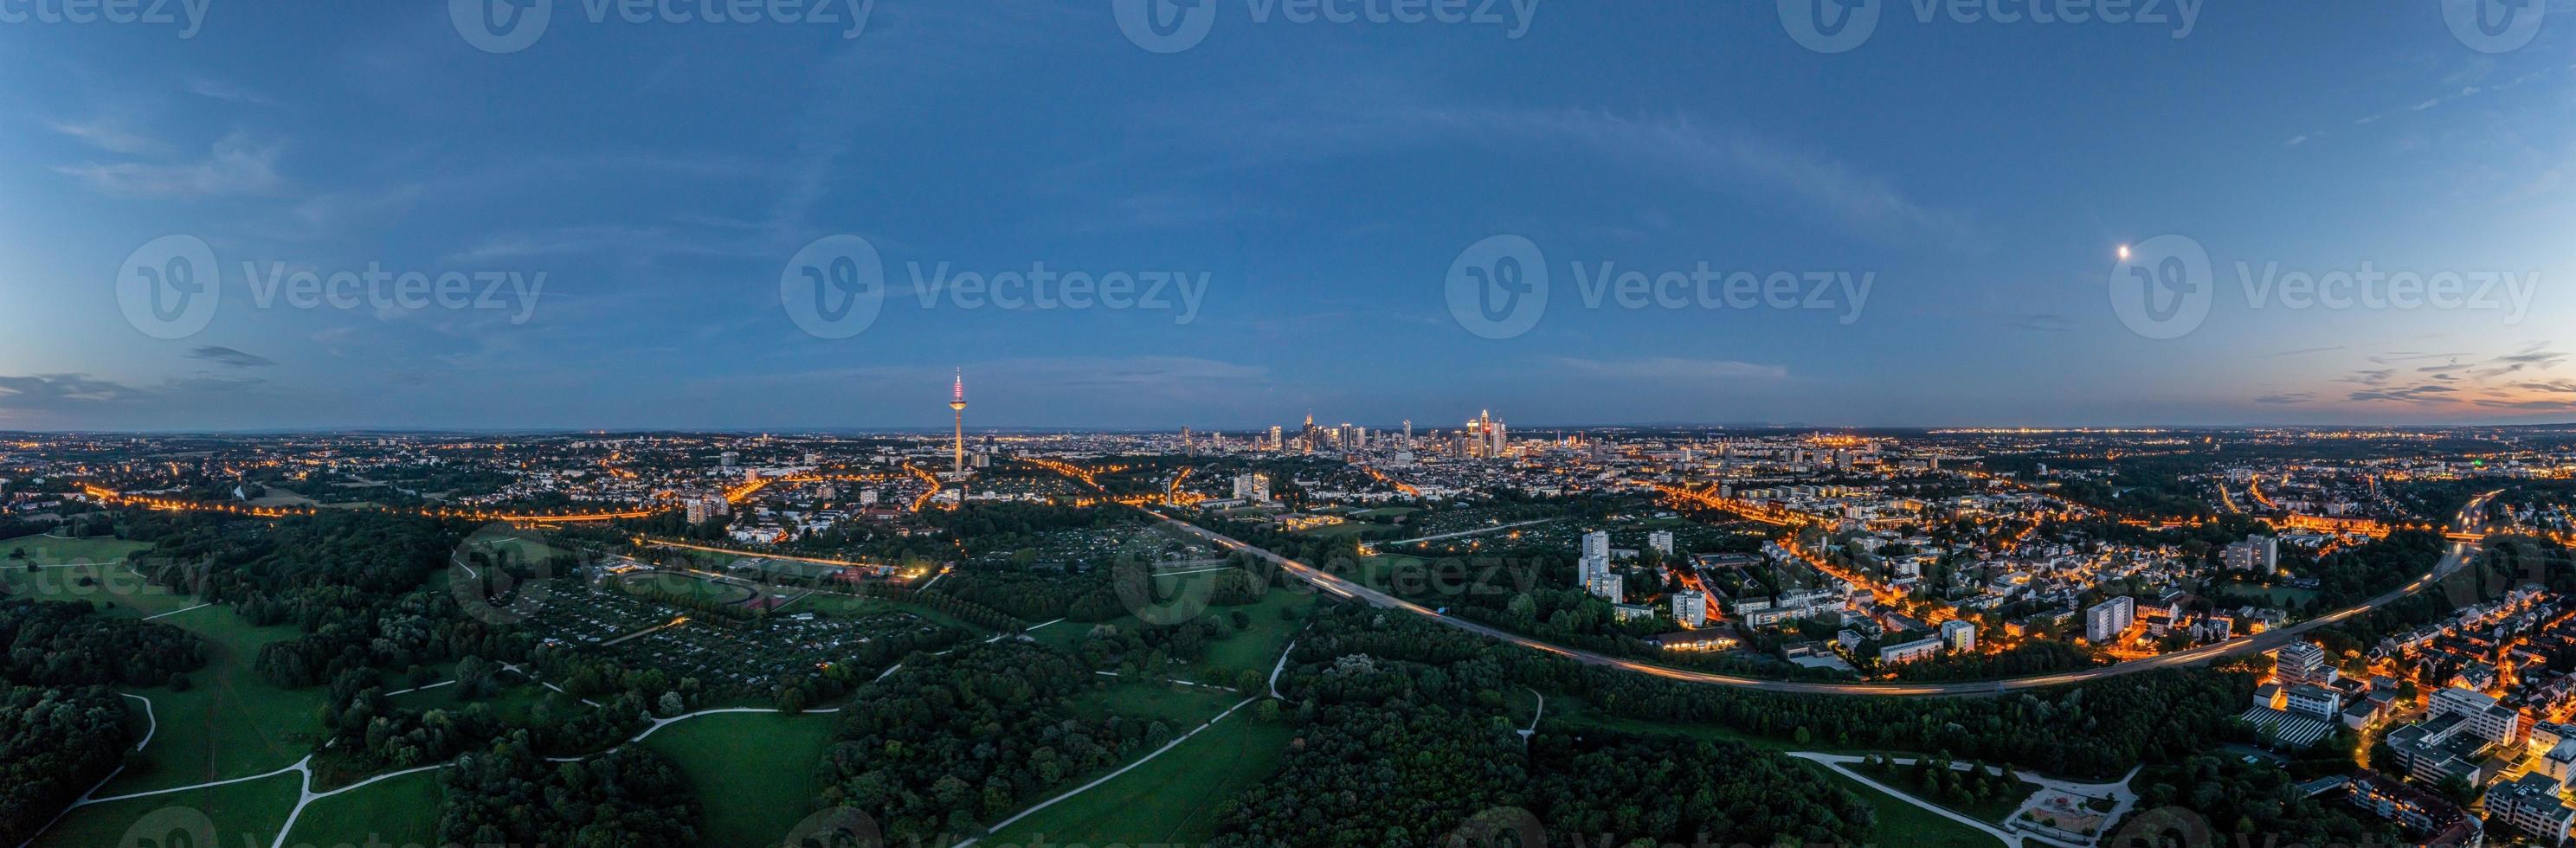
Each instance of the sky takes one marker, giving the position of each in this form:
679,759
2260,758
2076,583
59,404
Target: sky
660,222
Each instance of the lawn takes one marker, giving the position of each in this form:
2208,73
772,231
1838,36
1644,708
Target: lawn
684,586
395,811
1177,707
1172,800
247,813
1255,648
754,771
229,723
119,586
1901,823
57,550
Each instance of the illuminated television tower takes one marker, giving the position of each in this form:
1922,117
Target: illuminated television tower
957,404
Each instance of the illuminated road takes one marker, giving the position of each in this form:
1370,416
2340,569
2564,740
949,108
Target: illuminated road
1327,582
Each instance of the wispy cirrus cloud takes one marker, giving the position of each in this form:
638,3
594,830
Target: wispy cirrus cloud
236,165
226,356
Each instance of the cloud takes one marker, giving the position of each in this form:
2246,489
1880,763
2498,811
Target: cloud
48,390
2043,322
2406,395
1673,368
227,92
221,355
108,137
236,165
2287,398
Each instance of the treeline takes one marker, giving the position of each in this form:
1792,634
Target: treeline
950,743
54,745
507,795
960,608
349,579
2257,804
1399,753
64,643
2047,656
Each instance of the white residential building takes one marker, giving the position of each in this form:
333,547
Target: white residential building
1960,635
2108,619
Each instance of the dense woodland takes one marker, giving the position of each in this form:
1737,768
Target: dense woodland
949,744
66,643
1396,753
54,745
507,795
2257,804
2098,729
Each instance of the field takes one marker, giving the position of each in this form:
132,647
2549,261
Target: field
1256,648
241,813
1177,707
395,811
753,771
1906,824
684,586
1172,800
57,550
229,723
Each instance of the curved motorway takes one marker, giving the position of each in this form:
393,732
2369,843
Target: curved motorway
2451,561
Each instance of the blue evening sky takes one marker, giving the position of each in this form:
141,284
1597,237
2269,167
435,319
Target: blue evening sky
1319,177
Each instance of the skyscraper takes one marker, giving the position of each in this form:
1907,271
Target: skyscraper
957,404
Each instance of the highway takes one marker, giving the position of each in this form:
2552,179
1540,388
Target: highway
2451,561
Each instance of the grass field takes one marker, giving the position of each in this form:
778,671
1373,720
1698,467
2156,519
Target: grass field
56,550
1255,648
1172,800
753,771
229,723
684,586
1178,707
242,813
398,811
118,586
1900,823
